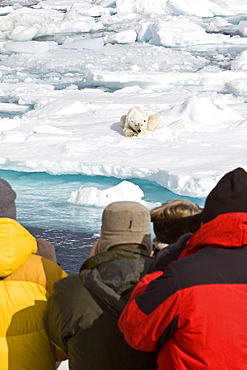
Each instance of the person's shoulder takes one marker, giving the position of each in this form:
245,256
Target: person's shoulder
73,290
69,282
190,270
51,266
46,249
171,252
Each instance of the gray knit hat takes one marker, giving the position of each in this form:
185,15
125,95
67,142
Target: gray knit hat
125,222
7,200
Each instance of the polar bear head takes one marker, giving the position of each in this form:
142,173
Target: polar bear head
137,120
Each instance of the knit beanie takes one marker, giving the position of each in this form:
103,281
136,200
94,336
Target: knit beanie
7,200
124,222
228,196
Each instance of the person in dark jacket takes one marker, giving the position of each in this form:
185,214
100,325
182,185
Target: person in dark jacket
82,314
195,311
173,223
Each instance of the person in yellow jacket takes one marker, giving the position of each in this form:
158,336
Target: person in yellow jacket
26,282
8,209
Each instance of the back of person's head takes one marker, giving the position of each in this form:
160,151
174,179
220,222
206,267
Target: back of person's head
175,209
7,200
125,223
228,196
173,219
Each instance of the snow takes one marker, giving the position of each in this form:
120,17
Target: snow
69,71
64,365
92,196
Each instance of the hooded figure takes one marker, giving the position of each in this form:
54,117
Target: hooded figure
82,314
26,282
8,209
195,311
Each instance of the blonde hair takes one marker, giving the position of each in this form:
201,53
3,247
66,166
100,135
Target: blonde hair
175,209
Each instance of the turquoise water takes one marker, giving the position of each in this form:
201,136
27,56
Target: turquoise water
42,199
43,208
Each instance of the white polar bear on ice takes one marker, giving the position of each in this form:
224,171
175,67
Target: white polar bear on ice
137,121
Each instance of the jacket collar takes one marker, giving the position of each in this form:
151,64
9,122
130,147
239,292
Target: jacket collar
225,230
117,254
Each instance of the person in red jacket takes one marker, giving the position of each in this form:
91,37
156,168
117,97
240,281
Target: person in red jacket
195,311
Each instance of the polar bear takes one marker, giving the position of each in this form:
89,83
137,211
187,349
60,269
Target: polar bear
137,121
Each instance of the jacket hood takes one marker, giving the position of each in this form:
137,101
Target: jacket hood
228,196
112,275
227,230
16,245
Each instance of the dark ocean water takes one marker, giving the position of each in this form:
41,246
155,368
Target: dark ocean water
43,208
72,248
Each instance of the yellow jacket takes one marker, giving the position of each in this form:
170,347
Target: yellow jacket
26,282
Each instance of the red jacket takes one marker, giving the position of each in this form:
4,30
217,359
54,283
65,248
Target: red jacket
196,311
